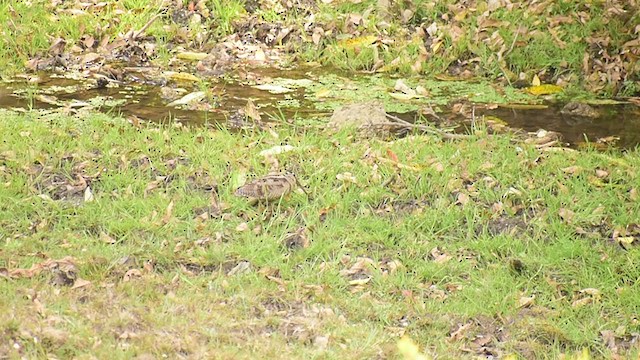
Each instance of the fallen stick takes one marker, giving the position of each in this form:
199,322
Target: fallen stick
402,123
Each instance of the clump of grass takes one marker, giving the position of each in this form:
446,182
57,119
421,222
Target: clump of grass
225,13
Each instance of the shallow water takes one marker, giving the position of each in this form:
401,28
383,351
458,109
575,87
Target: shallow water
145,101
622,121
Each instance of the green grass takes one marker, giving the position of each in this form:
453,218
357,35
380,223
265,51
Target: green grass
434,266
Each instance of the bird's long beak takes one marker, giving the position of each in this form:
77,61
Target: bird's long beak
302,188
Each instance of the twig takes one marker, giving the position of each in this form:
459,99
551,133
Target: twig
402,123
136,34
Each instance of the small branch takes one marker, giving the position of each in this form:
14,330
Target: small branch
137,34
402,123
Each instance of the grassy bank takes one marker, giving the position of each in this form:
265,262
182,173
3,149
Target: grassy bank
478,246
583,45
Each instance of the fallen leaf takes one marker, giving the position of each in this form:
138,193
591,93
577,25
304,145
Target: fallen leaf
347,177
182,76
276,150
188,55
566,215
168,213
80,283
535,81
526,301
241,268
191,98
88,195
409,350
625,241
582,302
462,198
104,237
546,89
459,333
131,274
391,155
252,111
572,170
274,89
260,56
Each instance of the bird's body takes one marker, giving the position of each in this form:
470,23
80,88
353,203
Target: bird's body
270,187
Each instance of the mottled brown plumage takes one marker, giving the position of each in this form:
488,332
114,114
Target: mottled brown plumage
270,187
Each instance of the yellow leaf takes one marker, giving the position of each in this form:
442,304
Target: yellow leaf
583,355
323,93
182,76
188,55
495,120
401,96
357,42
436,46
535,81
460,16
409,350
546,89
445,77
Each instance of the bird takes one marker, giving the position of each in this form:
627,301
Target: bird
270,187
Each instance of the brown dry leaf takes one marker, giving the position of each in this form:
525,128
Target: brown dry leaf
459,333
168,213
80,283
104,237
251,111
317,35
241,268
362,264
391,155
131,275
438,256
526,301
462,198
359,273
572,170
582,302
152,186
243,226
595,293
602,173
566,215
57,47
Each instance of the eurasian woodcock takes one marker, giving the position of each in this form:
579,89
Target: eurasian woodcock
269,187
